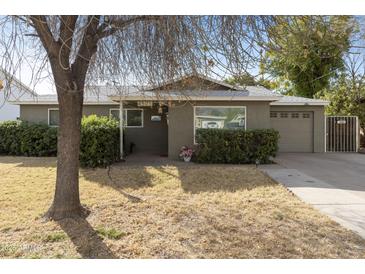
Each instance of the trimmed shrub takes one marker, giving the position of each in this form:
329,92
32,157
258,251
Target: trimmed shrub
9,140
236,146
21,138
99,140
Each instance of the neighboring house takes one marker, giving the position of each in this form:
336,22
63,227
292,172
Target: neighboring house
162,119
15,91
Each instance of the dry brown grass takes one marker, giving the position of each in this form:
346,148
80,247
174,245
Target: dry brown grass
189,211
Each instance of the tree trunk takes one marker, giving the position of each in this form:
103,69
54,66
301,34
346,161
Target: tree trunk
66,202
70,82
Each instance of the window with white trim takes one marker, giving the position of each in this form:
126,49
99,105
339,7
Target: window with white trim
131,117
53,117
114,113
220,117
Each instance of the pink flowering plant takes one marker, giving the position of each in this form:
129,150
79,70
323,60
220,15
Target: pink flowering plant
186,153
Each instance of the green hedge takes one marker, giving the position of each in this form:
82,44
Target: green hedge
20,138
236,146
99,140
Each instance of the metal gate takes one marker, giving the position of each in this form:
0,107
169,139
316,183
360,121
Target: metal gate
342,133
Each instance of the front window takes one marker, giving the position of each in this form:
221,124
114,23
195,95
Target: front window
114,113
131,117
53,117
220,117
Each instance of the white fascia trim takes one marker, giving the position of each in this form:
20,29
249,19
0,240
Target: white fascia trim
197,98
115,99
101,103
325,103
56,103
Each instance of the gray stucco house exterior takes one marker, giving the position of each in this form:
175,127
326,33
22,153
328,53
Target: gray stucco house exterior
163,119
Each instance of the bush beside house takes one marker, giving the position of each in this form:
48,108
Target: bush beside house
99,140
24,139
236,146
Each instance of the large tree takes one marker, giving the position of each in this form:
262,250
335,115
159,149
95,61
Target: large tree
346,93
307,51
247,79
138,50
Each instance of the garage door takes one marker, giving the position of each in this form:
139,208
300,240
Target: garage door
296,130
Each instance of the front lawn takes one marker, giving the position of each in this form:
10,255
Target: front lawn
187,211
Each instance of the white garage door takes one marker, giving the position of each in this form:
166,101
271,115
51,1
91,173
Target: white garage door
296,130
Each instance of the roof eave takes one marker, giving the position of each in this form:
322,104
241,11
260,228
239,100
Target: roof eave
195,98
278,103
56,103
18,82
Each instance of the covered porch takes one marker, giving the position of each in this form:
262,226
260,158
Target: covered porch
143,129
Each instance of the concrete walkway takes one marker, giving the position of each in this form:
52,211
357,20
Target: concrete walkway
340,204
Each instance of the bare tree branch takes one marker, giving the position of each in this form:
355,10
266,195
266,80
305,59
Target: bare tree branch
66,36
109,27
87,49
45,35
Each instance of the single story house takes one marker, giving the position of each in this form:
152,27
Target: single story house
161,120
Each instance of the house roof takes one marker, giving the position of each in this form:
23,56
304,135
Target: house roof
112,95
16,82
98,95
189,79
298,101
249,93
106,95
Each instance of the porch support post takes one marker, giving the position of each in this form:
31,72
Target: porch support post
121,122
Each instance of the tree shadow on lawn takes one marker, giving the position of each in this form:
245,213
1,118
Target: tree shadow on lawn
193,178
124,179
22,161
88,243
221,178
119,177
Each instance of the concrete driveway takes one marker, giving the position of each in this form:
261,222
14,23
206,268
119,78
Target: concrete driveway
334,183
341,170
